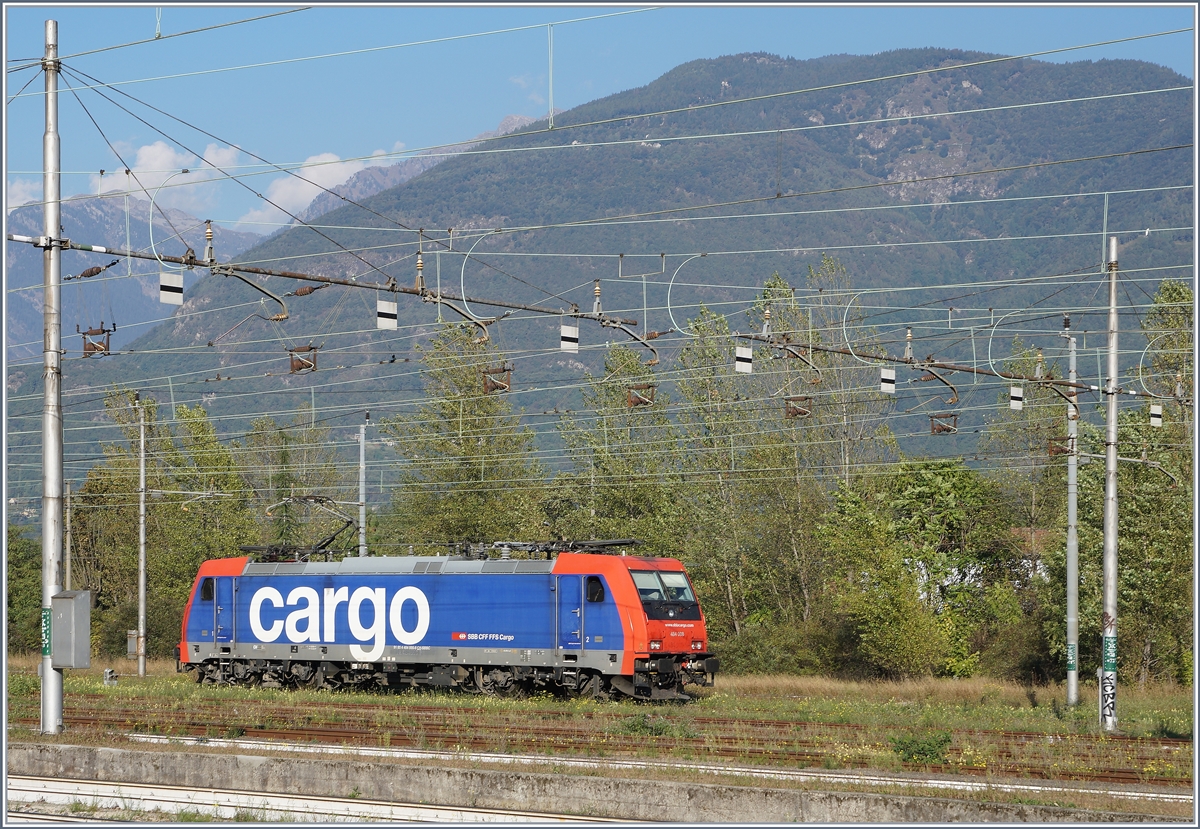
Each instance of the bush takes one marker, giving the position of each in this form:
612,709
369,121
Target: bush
928,748
769,649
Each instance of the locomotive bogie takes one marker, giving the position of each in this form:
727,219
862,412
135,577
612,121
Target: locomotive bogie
579,624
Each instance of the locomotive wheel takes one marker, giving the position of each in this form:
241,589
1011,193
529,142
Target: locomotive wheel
597,688
497,682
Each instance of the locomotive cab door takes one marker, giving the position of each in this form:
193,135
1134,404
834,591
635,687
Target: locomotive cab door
223,624
570,612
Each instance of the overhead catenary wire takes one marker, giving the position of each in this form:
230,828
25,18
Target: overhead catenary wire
352,52
429,152
159,37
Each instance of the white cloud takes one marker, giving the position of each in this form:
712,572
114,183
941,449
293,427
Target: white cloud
159,163
293,194
21,191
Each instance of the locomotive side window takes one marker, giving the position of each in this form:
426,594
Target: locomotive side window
595,589
206,590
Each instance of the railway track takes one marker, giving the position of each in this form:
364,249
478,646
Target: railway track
793,775
787,743
556,743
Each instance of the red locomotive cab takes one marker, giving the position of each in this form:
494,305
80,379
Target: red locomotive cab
674,621
675,648
666,642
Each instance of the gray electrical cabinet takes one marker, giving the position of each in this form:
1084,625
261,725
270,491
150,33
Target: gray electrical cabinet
71,629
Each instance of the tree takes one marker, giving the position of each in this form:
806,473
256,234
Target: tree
1155,548
1169,325
469,471
24,592
196,509
294,459
623,449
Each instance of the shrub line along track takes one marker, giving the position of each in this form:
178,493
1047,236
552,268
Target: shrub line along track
772,741
792,775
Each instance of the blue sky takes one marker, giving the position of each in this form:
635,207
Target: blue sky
350,107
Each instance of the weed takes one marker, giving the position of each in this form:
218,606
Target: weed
192,816
354,793
77,806
1170,730
930,748
645,725
22,685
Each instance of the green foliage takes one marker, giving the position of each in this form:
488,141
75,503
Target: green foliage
22,685
1170,323
196,509
918,748
625,461
469,472
1156,546
24,584
294,459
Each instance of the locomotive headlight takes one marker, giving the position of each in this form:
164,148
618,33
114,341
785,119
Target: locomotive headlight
697,645
656,644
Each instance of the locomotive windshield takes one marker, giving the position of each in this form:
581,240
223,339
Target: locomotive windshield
665,595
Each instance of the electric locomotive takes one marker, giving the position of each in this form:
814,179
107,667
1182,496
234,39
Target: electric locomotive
582,623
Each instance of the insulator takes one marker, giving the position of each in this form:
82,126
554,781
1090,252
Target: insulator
209,256
908,345
1039,370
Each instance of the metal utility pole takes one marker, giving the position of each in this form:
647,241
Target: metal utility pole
141,633
67,539
52,436
1108,649
1072,521
362,487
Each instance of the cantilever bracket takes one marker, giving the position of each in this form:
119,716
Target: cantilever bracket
930,374
225,270
623,324
795,351
482,322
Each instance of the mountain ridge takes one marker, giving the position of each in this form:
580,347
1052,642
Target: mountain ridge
983,229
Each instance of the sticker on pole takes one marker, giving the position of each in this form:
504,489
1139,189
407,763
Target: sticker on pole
170,287
743,356
45,631
887,380
385,314
569,338
1156,415
1016,398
